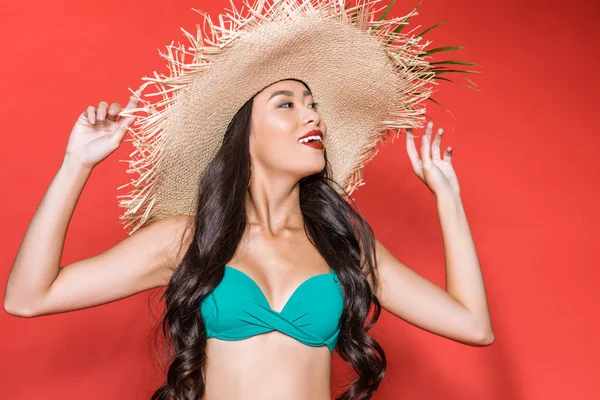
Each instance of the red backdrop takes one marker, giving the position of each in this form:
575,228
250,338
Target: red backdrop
525,150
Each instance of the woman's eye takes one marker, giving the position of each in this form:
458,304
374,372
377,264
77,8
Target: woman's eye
314,105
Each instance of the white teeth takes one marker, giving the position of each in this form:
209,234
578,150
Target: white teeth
310,138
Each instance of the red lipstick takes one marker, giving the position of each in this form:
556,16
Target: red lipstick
315,143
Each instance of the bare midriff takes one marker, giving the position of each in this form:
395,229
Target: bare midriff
270,366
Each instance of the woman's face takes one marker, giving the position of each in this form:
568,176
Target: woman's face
281,114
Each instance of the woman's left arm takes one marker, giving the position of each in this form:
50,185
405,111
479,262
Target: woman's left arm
461,311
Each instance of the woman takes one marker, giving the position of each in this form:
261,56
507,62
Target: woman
271,271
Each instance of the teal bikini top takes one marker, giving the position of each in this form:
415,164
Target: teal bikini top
238,309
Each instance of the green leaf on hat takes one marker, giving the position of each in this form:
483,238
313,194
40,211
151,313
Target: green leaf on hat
430,28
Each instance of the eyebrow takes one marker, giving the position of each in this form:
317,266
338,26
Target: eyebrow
289,93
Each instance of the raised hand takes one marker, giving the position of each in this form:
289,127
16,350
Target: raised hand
437,173
97,133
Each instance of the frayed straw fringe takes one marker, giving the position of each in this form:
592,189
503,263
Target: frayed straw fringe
405,51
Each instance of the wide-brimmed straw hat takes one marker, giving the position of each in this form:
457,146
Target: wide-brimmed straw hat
369,79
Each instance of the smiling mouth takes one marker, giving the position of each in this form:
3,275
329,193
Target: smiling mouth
310,139
315,144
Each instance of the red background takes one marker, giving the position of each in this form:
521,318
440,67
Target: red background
524,150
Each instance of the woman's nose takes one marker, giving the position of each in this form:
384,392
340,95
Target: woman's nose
312,116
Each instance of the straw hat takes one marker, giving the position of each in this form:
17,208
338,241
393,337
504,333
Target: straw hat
369,79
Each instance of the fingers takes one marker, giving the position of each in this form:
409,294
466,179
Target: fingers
436,144
133,102
91,114
126,121
428,152
113,111
101,112
105,113
448,155
425,143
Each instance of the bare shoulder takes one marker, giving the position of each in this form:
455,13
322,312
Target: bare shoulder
171,237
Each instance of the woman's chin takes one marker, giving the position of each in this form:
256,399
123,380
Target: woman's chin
312,171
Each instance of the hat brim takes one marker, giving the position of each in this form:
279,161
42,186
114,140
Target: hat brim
364,87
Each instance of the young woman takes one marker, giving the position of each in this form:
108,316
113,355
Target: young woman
273,269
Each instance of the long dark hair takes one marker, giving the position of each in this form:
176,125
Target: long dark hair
339,232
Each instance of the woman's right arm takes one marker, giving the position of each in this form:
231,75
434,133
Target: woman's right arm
37,285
